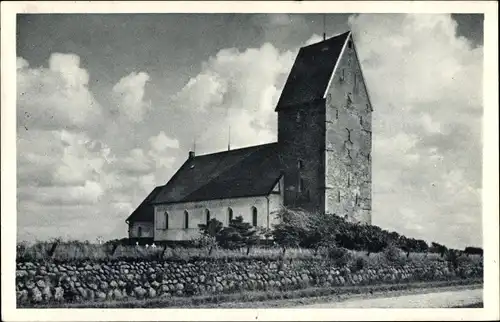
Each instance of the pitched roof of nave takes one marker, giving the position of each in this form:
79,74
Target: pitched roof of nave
312,71
236,173
251,171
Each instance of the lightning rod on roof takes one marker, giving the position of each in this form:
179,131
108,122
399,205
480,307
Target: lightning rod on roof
324,27
229,139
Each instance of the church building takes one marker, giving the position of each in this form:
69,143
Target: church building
321,161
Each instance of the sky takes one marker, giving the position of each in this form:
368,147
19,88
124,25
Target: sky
108,107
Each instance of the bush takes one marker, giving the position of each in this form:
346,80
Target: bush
318,230
291,229
210,235
393,255
340,256
359,264
473,251
452,258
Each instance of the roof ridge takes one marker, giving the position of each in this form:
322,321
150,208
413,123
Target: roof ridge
236,150
226,170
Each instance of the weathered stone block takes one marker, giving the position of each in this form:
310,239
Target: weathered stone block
151,292
139,292
36,295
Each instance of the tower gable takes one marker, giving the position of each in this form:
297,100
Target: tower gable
348,140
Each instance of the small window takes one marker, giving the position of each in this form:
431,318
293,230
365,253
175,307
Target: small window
342,75
300,164
139,231
254,216
207,216
186,219
349,98
229,215
166,220
338,196
349,44
301,185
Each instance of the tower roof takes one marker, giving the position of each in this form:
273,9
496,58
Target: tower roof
312,71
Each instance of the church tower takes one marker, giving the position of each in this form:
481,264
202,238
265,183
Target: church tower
324,132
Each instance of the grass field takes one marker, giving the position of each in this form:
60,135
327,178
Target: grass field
75,250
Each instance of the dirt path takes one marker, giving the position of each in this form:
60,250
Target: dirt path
438,299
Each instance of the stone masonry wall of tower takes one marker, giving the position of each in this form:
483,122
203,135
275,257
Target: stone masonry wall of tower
301,135
348,176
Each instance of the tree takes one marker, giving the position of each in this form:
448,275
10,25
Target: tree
210,232
321,231
238,234
473,251
376,239
438,248
422,246
292,228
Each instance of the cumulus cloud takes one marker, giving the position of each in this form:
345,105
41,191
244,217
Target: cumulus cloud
129,95
88,193
55,97
21,63
427,124
68,178
67,171
236,89
161,142
59,158
135,163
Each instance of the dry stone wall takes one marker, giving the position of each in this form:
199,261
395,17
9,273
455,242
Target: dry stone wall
115,280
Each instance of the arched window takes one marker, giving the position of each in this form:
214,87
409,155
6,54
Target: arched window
166,220
207,215
254,216
139,231
186,219
229,215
